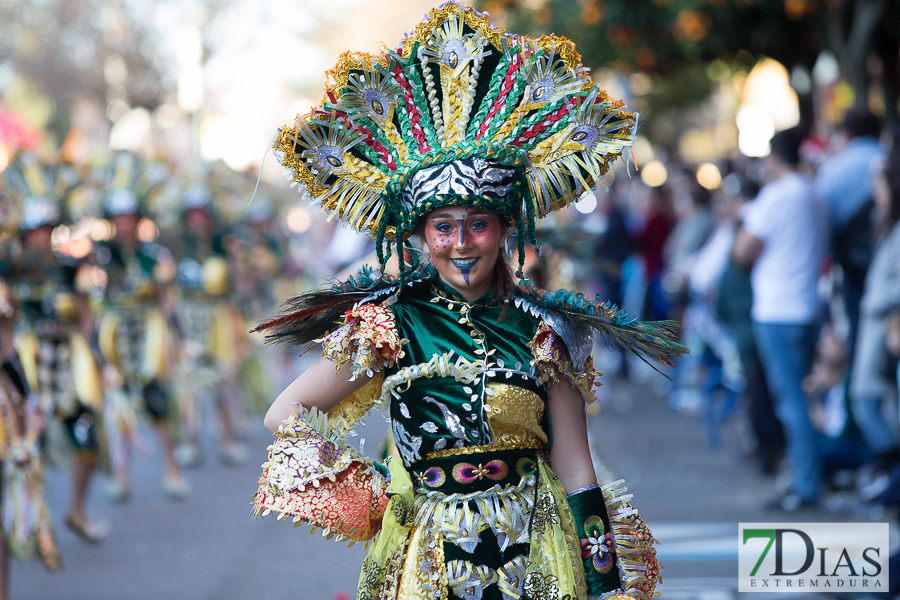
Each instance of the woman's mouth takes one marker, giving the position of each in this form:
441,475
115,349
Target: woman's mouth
465,266
464,263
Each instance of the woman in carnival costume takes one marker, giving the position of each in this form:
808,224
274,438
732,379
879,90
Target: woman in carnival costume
461,137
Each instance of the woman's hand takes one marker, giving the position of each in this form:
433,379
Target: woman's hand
321,386
570,454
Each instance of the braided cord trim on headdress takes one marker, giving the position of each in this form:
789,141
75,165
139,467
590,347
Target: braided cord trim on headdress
414,133
506,77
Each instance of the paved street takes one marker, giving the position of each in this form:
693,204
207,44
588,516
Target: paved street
209,548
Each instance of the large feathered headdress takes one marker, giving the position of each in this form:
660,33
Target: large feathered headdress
38,190
462,113
130,183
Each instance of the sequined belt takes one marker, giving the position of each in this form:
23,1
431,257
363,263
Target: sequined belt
474,472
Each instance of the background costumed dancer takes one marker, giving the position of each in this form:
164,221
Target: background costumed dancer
136,334
55,338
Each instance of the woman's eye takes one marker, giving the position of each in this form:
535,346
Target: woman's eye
443,227
478,225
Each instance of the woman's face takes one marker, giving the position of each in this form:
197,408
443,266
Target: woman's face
464,243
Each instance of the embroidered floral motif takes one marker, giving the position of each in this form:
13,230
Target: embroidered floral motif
545,513
598,547
551,358
371,581
368,337
496,470
539,587
403,512
433,477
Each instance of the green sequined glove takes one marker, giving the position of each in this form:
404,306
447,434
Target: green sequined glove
601,565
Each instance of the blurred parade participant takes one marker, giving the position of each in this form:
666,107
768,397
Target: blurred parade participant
611,246
650,242
56,326
214,340
259,268
733,305
135,333
873,380
694,224
784,237
26,531
713,364
845,181
474,368
258,261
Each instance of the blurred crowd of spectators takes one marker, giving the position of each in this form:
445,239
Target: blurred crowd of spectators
786,282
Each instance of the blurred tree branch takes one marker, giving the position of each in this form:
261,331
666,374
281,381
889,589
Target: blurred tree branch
95,50
671,38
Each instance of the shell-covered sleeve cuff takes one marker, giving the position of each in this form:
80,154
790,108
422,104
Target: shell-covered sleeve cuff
639,568
551,359
312,476
368,338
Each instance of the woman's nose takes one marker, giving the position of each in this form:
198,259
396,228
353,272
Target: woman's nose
461,240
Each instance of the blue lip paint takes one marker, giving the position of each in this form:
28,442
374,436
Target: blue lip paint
465,270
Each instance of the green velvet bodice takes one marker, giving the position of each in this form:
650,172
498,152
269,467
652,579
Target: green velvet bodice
440,412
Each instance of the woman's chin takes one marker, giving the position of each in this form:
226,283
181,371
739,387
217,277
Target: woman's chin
467,287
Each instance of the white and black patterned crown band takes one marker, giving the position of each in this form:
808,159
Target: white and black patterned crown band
467,177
